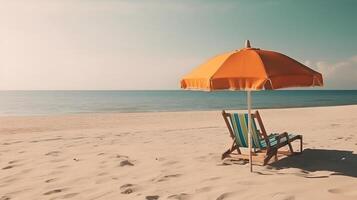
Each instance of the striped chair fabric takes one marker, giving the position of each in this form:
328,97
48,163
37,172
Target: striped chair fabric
239,123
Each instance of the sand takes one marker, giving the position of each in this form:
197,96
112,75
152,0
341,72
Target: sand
173,156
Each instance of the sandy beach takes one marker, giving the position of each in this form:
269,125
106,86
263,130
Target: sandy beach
173,156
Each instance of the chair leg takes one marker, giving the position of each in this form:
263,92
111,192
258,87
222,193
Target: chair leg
229,151
236,147
226,153
270,155
290,148
301,148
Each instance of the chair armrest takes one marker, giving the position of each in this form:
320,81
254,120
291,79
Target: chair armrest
281,135
278,137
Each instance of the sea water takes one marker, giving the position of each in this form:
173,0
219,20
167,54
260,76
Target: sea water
63,102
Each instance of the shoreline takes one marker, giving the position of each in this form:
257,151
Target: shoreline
34,103
178,111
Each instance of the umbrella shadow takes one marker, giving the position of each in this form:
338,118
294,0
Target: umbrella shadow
311,160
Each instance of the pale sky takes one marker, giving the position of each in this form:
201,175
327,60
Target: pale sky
130,44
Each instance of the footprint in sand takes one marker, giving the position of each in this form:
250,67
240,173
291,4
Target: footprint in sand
282,196
13,162
121,156
62,167
154,197
5,198
126,163
127,188
166,177
9,143
335,191
50,180
53,153
8,167
102,174
70,195
53,191
224,195
347,190
127,191
182,196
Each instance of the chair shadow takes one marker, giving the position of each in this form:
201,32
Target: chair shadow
311,160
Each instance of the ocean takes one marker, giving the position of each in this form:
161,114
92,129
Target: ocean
70,102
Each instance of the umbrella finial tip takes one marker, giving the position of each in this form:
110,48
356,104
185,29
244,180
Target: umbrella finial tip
247,44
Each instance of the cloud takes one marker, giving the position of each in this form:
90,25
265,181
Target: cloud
337,75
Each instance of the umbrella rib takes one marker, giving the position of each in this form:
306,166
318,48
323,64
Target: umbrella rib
267,78
262,63
222,64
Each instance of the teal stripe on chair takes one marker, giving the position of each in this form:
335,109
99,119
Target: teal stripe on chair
240,139
239,122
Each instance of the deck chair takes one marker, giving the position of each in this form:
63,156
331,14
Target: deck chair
265,146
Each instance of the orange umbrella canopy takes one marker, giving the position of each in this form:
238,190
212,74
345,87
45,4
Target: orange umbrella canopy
251,69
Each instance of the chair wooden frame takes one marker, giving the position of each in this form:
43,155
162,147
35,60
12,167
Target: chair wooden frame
260,156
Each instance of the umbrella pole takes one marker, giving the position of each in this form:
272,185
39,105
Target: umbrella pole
249,101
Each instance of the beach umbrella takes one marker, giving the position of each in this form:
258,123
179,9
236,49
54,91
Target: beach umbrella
250,69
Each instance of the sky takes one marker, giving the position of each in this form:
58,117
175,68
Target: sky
140,45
